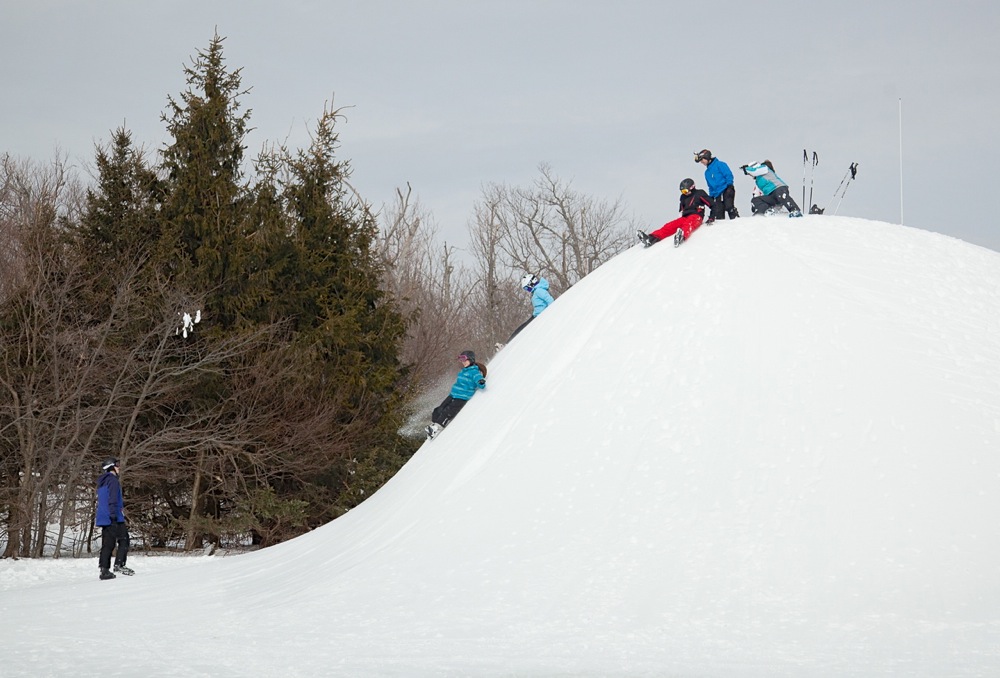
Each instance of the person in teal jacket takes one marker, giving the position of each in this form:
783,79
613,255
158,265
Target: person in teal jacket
471,378
720,187
538,288
774,191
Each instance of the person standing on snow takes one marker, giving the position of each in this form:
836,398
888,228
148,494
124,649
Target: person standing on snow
692,208
111,520
471,377
719,180
773,191
538,288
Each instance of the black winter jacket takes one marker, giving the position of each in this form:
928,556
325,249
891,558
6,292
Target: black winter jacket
695,202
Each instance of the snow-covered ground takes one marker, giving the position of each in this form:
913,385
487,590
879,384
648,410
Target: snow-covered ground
770,452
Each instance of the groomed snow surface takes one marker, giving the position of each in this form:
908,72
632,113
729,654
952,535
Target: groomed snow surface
773,451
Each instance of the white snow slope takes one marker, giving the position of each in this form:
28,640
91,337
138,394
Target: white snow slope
774,451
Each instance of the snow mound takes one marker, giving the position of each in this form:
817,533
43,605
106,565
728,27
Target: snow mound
771,451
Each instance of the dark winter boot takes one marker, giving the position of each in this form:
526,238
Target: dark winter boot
678,237
106,574
646,239
121,569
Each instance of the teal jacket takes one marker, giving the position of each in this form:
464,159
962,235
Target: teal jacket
540,297
767,181
469,379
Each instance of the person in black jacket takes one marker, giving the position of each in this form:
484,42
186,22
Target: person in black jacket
111,520
693,204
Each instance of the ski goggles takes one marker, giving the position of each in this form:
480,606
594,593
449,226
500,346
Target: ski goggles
685,191
463,358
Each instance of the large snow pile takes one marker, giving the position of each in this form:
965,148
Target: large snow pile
770,452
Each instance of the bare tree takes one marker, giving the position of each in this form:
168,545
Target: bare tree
428,282
496,297
551,229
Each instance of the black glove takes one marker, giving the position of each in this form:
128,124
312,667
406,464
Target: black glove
744,168
482,382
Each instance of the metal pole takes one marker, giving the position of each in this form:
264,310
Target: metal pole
900,160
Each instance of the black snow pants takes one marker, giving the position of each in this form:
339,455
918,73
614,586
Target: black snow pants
112,535
447,410
724,204
779,197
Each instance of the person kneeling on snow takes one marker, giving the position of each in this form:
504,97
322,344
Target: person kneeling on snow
538,288
693,204
472,376
774,191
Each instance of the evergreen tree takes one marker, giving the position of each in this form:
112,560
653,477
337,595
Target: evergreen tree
120,220
334,297
120,214
331,287
345,331
205,235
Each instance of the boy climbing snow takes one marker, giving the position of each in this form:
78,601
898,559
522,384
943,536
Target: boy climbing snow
773,191
538,288
693,204
472,376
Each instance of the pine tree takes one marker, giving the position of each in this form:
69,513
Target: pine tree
332,284
345,331
205,230
120,221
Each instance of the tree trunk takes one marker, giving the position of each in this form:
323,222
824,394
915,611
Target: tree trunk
191,539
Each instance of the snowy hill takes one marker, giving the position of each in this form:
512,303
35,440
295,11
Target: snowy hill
770,452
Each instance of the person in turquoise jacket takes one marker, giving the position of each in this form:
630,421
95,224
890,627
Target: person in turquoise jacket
538,288
471,378
719,182
774,191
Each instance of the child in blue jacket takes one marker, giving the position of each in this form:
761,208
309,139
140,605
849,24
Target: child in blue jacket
719,180
471,377
538,288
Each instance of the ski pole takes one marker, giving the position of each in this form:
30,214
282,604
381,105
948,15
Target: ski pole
853,171
805,161
840,185
812,179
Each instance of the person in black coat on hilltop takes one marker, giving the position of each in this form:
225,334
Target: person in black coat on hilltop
692,208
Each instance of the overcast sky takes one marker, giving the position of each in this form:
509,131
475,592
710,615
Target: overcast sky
615,96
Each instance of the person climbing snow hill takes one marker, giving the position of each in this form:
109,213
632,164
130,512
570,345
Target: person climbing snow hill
774,191
692,207
471,378
538,288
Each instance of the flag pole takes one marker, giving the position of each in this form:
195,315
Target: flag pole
900,160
